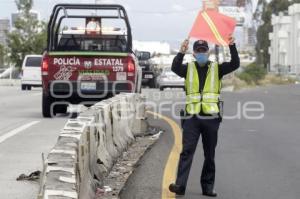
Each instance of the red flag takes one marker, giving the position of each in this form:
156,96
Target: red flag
213,27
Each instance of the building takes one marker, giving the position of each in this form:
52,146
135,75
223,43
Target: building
4,29
242,11
228,3
251,37
210,4
15,16
294,40
279,43
285,42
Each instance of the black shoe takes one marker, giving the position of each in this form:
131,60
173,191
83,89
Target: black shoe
179,190
209,193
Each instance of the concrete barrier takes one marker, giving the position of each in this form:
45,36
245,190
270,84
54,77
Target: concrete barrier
89,145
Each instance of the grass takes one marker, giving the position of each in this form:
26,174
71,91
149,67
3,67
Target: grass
268,80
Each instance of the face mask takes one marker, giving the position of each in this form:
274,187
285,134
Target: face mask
201,58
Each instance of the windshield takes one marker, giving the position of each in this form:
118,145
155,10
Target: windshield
88,35
33,62
143,55
170,74
84,28
112,43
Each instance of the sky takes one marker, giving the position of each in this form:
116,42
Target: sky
154,20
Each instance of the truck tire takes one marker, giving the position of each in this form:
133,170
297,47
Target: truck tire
28,87
47,105
23,87
161,88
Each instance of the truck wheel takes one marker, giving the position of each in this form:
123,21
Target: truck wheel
23,87
28,87
161,88
46,106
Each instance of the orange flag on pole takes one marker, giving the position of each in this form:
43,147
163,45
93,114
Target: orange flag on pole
213,27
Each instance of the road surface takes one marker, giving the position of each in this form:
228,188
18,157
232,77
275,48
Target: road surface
255,159
24,136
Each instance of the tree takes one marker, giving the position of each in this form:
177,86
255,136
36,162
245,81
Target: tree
263,17
29,35
253,73
3,55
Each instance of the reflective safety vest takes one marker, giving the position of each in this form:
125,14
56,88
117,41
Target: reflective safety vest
208,100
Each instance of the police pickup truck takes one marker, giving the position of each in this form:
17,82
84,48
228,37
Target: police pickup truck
88,57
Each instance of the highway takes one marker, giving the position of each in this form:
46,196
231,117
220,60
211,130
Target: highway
255,158
24,136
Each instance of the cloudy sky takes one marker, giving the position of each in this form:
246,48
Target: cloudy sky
168,20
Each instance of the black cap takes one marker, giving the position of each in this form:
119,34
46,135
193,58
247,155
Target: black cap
200,44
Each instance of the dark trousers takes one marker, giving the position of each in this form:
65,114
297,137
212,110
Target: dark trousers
192,128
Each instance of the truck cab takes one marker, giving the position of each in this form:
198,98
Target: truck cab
88,57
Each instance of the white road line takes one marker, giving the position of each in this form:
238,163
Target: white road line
17,130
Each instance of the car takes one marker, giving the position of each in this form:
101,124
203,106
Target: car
31,72
168,79
89,56
148,73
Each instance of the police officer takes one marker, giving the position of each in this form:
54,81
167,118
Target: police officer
203,85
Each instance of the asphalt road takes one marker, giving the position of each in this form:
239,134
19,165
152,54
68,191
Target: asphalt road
24,136
255,158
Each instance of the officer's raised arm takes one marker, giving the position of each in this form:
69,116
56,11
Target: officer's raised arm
177,66
234,64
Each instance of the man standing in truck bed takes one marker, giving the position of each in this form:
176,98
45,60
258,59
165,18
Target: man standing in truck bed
203,85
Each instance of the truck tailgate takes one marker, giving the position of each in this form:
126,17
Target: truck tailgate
90,66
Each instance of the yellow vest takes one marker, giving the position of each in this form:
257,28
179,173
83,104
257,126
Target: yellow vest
208,100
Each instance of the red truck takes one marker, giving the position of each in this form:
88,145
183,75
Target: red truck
89,56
